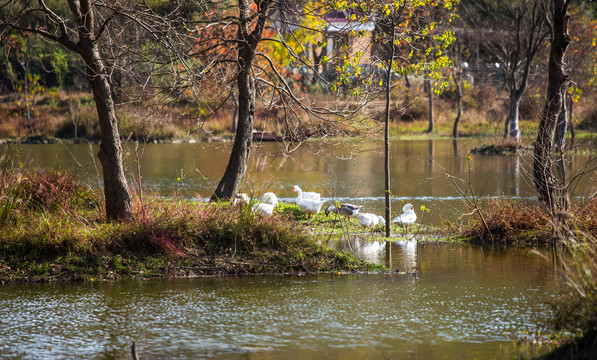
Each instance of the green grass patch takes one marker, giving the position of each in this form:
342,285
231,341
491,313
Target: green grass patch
52,228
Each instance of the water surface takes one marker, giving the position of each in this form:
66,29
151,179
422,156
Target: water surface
464,302
452,302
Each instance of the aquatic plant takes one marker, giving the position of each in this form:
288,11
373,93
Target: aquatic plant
522,222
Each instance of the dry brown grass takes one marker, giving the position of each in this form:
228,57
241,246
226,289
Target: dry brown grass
47,216
508,222
585,217
523,223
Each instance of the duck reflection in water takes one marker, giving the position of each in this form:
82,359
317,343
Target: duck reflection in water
409,255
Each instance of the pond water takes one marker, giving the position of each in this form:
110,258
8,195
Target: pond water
343,171
458,302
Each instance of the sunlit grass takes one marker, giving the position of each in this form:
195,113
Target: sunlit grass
48,216
520,223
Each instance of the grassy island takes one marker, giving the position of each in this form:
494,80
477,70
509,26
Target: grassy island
52,229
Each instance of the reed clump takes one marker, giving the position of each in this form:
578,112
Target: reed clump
521,223
52,228
572,325
573,322
507,222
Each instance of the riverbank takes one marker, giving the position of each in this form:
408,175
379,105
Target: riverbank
59,116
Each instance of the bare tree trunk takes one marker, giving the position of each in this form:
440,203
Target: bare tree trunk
388,214
511,129
248,41
572,133
74,115
116,190
430,93
562,124
551,193
571,124
235,114
237,165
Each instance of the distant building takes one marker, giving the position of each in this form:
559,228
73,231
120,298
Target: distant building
348,37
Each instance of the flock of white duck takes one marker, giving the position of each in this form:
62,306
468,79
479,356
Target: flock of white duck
311,203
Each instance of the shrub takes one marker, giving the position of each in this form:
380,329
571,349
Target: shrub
509,222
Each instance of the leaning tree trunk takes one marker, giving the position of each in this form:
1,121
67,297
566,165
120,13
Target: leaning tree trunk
116,190
551,193
237,165
248,41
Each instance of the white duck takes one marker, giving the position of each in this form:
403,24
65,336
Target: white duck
270,198
369,220
309,205
407,217
263,208
306,195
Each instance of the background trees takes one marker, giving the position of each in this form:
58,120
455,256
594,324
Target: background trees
518,32
301,68
99,33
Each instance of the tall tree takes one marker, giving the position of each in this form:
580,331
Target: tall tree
518,33
256,49
86,28
251,24
552,191
406,28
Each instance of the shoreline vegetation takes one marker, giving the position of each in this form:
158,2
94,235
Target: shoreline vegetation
60,116
52,229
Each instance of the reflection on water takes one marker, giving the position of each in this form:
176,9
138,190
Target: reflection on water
399,256
465,302
409,256
349,171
